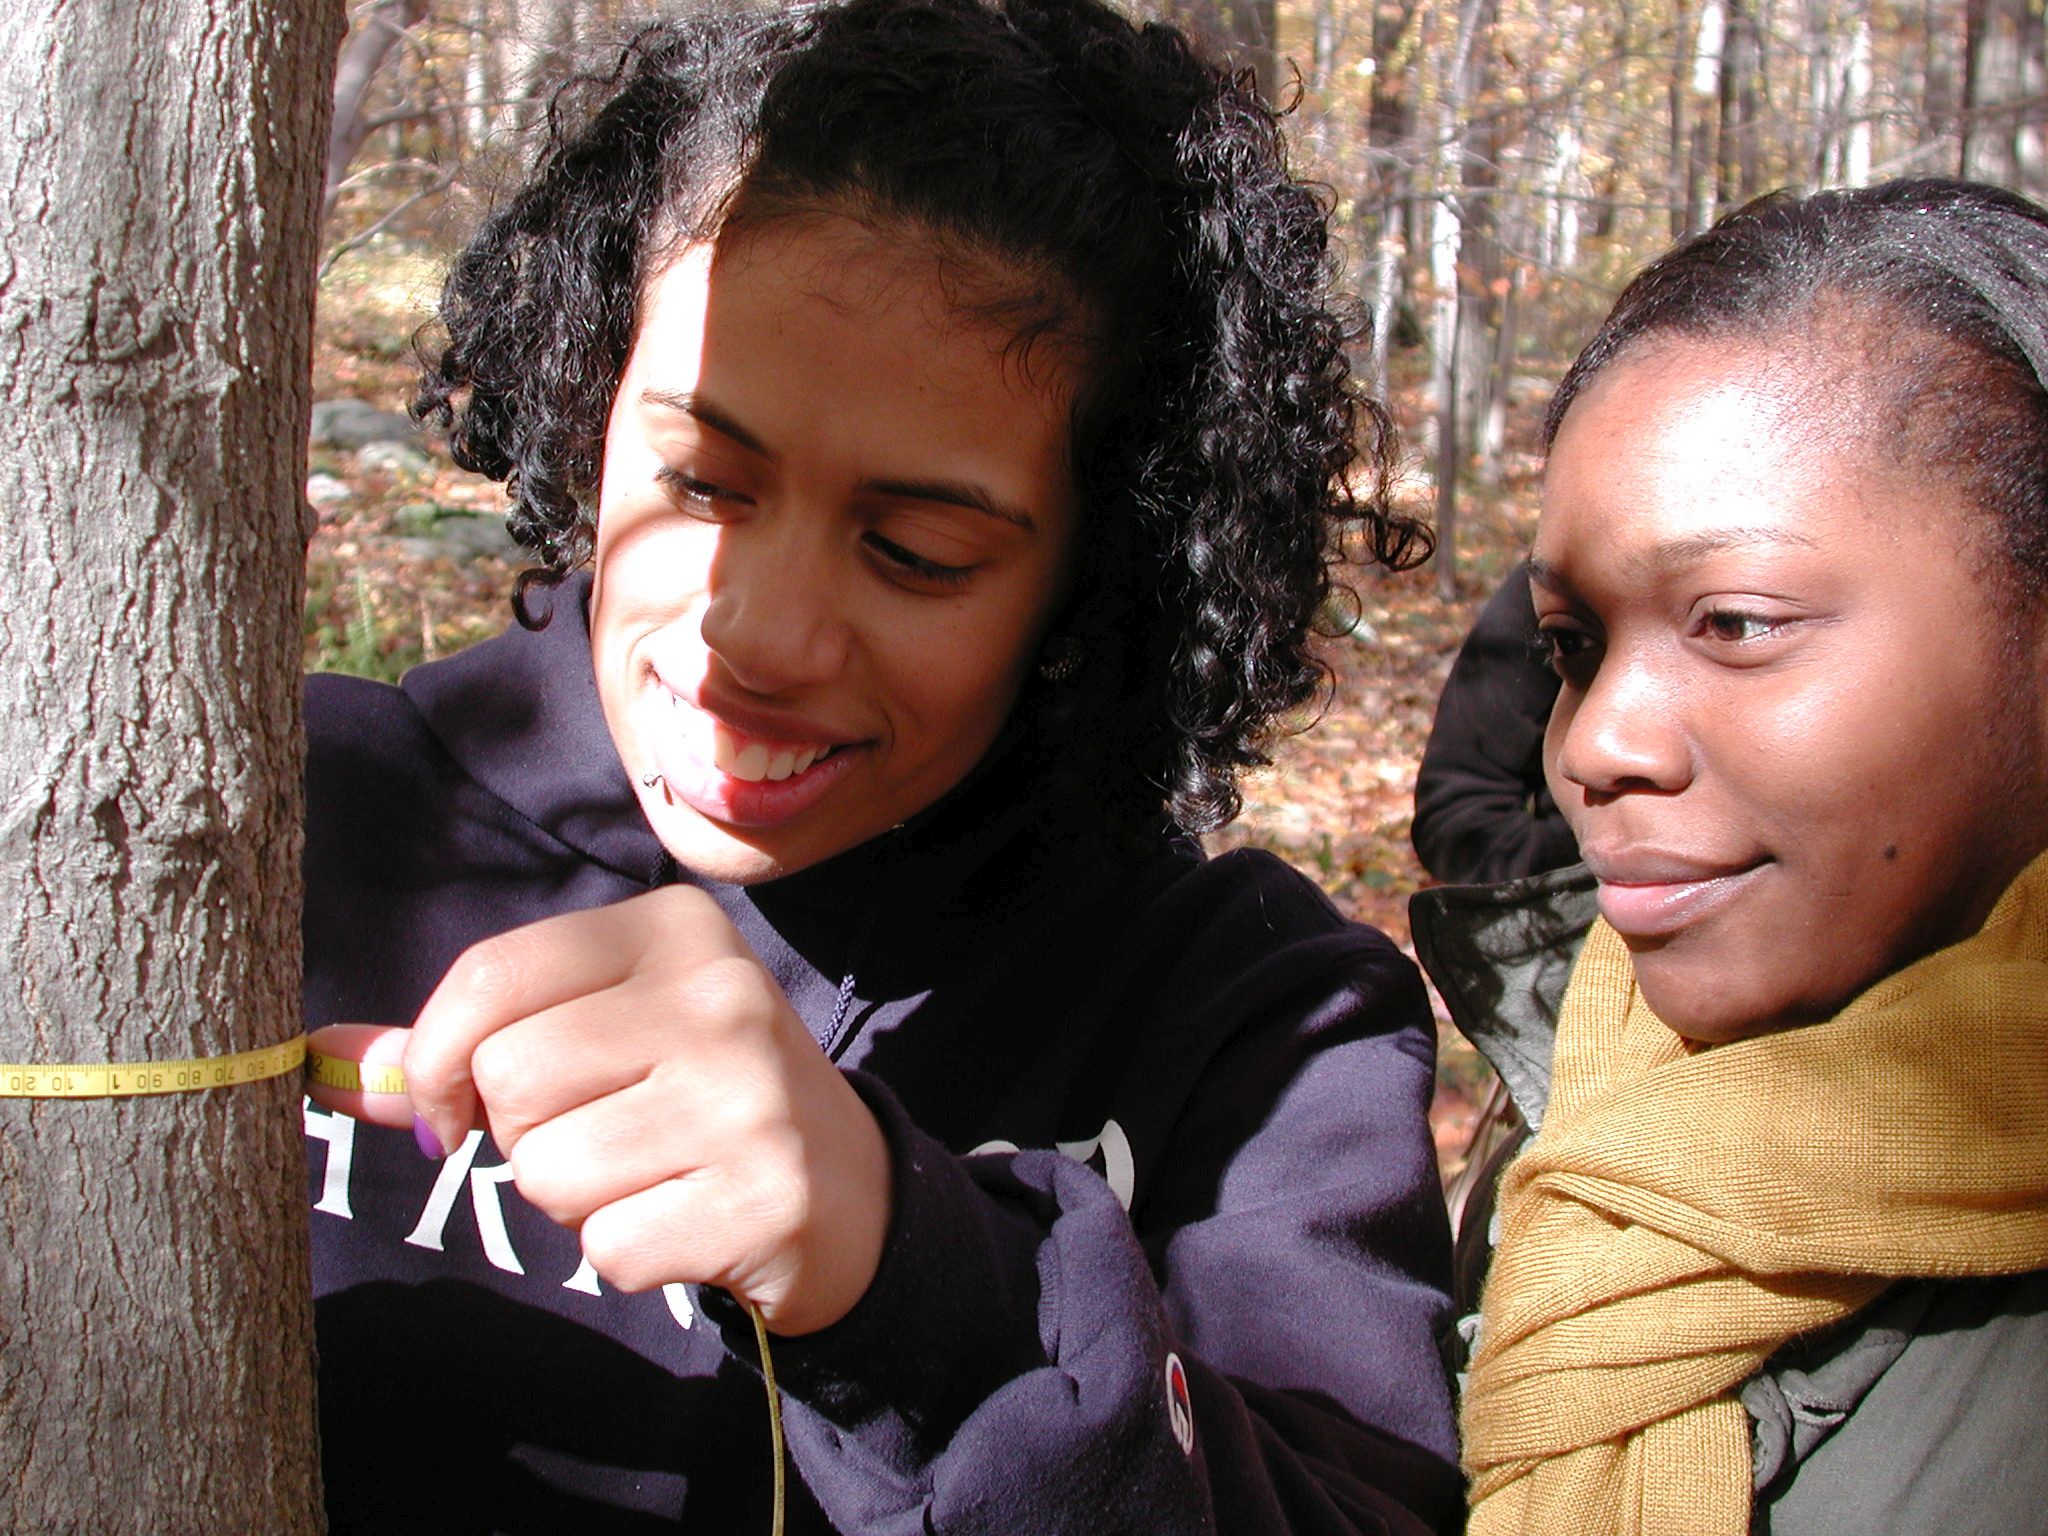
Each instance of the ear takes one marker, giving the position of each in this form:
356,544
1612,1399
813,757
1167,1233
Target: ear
2030,678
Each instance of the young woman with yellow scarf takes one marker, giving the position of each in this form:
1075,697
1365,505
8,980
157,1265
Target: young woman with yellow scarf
1774,1260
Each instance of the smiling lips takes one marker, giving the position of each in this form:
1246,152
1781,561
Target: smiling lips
1654,896
758,760
729,775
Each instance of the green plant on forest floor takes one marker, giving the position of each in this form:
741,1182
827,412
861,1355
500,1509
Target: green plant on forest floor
361,640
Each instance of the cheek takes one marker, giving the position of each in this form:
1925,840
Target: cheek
1861,768
648,577
958,680
1560,721
954,671
649,563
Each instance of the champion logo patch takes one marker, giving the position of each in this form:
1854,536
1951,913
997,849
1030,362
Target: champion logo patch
1180,1409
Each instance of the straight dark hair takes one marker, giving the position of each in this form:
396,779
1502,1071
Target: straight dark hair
1952,274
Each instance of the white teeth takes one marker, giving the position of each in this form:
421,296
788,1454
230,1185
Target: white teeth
757,761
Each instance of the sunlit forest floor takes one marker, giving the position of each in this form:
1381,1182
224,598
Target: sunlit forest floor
384,594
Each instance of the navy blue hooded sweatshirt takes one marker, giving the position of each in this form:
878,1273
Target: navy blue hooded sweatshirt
1202,1296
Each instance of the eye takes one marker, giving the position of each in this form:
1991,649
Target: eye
1737,626
901,562
1568,650
699,498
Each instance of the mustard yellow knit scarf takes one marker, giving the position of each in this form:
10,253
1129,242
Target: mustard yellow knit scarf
1686,1211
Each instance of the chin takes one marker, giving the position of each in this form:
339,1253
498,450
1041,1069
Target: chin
1710,1011
712,853
747,867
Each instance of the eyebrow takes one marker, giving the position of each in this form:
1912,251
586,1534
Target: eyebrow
697,408
956,493
1676,554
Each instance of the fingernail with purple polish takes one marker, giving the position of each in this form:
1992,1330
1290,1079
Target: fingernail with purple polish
429,1144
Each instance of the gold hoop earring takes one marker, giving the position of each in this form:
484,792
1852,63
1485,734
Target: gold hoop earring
1061,658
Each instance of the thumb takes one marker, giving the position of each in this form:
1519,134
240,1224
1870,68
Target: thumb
357,1069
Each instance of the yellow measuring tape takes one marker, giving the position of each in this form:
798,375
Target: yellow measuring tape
120,1079
353,1077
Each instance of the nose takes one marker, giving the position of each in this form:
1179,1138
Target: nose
779,604
1622,730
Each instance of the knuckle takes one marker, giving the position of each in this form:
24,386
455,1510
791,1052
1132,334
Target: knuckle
492,971
615,1252
498,1067
681,903
545,1177
683,918
783,1196
733,993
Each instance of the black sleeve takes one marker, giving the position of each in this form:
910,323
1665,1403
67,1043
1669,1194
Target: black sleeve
1482,812
1250,1351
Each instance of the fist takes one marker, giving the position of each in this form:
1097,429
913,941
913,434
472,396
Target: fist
654,1092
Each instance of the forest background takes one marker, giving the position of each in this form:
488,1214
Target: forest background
1496,169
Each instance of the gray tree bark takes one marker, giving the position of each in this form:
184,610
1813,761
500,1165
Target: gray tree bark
382,29
160,173
1709,36
1461,243
2003,82
1678,99
1740,156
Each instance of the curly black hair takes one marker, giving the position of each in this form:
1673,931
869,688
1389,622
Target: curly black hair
1139,198
1941,285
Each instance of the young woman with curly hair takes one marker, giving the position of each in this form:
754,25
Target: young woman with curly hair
933,430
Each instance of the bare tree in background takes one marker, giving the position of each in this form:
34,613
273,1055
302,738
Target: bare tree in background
159,184
2003,86
1592,132
371,42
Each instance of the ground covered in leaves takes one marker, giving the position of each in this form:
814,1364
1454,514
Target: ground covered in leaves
383,593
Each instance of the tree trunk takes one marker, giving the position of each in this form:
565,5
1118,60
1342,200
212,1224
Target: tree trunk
478,118
1708,39
1998,140
159,181
1741,69
1386,294
1493,430
367,49
1385,208
1328,28
1820,41
1678,100
2030,84
1938,71
1973,155
1564,191
1460,214
1838,94
1482,264
1856,149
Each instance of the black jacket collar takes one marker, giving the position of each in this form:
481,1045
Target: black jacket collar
520,715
